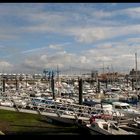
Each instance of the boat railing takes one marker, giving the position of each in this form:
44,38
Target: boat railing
61,109
52,107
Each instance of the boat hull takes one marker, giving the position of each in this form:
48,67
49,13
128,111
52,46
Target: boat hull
59,120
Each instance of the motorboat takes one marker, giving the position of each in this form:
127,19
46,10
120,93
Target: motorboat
102,127
126,109
137,121
133,125
7,103
107,109
20,103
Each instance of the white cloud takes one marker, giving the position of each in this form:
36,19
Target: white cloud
132,12
47,17
5,65
43,58
8,33
62,59
101,14
107,45
84,60
55,47
34,50
63,23
2,46
133,40
7,37
93,34
87,35
58,46
82,25
118,54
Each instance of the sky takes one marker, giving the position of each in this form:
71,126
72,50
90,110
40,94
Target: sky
82,36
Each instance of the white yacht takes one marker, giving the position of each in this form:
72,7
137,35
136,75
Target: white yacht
126,109
7,103
102,127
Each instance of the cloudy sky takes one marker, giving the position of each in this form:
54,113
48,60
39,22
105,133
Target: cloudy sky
79,35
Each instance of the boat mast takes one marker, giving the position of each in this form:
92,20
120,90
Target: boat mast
58,80
136,71
103,68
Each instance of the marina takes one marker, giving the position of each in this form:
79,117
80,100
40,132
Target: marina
69,69
74,104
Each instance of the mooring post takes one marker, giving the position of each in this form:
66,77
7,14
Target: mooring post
106,84
80,91
16,83
132,84
98,86
52,84
3,84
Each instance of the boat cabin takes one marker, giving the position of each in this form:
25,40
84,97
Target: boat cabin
120,105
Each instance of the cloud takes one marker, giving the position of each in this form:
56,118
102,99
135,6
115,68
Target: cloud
19,9
86,25
2,46
132,12
92,34
84,60
33,50
4,65
8,33
7,37
62,59
83,25
87,35
55,47
36,19
101,14
58,46
107,45
119,55
133,40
